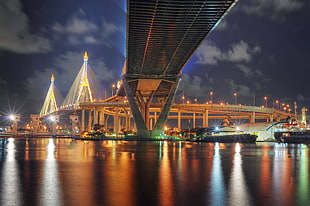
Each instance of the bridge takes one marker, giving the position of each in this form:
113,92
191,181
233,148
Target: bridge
161,38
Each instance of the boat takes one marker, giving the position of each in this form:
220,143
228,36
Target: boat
292,133
222,134
90,136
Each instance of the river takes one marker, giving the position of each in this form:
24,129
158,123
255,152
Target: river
69,172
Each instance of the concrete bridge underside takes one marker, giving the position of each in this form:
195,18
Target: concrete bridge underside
161,37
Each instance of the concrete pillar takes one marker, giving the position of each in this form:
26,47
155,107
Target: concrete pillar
127,122
206,118
95,117
142,130
179,120
162,119
194,120
252,120
116,121
83,121
151,123
90,120
271,118
101,117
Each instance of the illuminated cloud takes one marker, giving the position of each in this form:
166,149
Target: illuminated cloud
250,73
274,9
242,90
75,26
15,32
79,30
210,54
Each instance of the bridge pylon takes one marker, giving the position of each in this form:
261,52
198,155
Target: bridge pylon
81,90
50,104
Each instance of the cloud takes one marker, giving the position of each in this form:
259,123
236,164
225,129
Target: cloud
210,54
75,26
249,72
274,9
194,86
240,52
242,90
79,30
15,32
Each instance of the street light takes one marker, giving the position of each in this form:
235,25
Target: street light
277,102
195,100
211,95
113,86
236,96
183,98
265,98
295,109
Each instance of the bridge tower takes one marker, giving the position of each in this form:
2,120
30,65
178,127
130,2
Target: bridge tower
80,90
50,104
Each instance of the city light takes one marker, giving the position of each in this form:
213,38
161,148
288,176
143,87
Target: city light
12,117
236,96
266,99
52,118
113,86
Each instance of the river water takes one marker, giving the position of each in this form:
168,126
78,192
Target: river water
74,172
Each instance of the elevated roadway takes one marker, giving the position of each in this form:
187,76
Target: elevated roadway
161,38
185,111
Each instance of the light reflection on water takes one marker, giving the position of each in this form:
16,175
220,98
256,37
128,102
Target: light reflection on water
68,172
10,182
50,191
217,190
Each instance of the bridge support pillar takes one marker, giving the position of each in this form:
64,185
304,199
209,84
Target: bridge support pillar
179,120
127,122
101,117
90,120
95,116
194,120
271,118
252,117
116,121
206,118
162,119
140,103
142,130
83,121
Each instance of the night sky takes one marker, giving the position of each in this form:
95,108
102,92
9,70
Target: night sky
261,48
